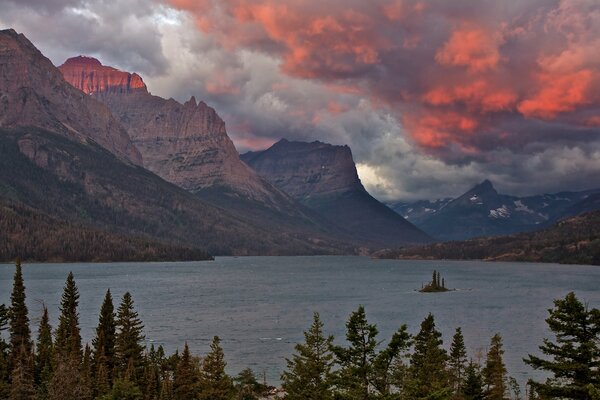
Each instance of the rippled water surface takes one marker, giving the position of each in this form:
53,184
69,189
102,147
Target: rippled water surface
260,306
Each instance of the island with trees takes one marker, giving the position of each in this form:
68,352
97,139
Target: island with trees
437,284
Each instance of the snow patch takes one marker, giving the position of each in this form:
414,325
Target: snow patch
474,198
522,207
501,212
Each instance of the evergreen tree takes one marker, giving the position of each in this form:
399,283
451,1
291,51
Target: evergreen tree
20,334
67,382
68,337
86,371
166,388
473,385
428,376
574,355
22,385
457,362
104,345
386,362
494,372
185,384
4,353
124,389
214,382
129,350
356,360
308,374
44,355
247,387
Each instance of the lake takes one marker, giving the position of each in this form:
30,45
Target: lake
260,306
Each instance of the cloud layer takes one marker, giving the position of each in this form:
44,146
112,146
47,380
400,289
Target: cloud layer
431,96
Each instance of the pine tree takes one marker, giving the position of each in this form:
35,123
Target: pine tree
308,374
104,345
385,365
356,360
68,337
66,382
494,372
185,384
457,362
214,382
473,385
166,388
22,385
428,376
128,341
20,334
4,353
574,355
247,387
44,355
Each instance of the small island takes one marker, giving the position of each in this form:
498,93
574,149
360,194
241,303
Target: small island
437,284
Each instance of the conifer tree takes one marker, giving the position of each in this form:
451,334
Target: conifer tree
22,385
309,372
494,372
20,334
68,337
574,355
166,388
66,382
457,362
104,344
428,376
44,355
185,384
215,384
473,385
129,350
387,360
247,387
356,360
86,370
4,353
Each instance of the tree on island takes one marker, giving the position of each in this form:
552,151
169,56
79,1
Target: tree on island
574,355
309,372
437,284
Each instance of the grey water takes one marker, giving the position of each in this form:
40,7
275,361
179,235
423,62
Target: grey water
260,306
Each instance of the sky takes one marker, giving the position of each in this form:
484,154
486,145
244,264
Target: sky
431,96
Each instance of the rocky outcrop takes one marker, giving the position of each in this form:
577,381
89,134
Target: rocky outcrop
186,144
34,93
324,178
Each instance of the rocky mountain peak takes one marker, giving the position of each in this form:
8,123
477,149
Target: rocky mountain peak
90,76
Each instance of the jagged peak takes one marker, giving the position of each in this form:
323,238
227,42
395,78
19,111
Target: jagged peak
83,60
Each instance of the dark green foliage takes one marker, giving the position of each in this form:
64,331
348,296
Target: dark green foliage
428,375
68,336
214,382
185,384
574,356
356,361
473,384
103,361
387,361
309,372
437,284
494,372
129,350
124,389
247,387
457,362
44,355
20,334
574,240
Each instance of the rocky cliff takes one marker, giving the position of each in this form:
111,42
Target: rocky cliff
34,93
186,144
324,178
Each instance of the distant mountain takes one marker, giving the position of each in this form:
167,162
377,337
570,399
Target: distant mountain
575,240
63,155
482,211
323,177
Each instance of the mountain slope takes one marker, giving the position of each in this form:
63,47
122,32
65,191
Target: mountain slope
575,240
482,211
324,178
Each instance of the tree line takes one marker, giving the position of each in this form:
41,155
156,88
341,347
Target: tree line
117,365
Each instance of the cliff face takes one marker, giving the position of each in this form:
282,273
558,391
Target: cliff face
324,178
186,144
34,93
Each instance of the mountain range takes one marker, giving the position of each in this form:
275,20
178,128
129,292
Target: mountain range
88,146
482,211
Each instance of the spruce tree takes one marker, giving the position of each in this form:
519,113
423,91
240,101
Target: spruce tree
385,365
494,372
473,384
104,345
457,362
428,376
129,350
356,360
215,384
22,385
20,334
44,355
308,374
574,356
68,337
4,353
185,384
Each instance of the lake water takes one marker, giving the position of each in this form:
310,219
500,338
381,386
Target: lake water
260,306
